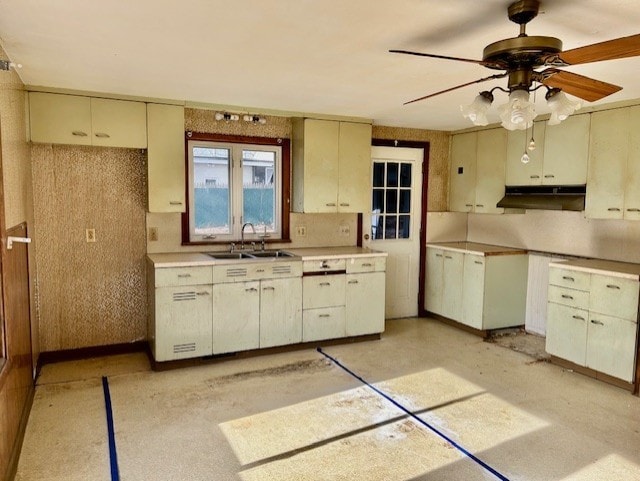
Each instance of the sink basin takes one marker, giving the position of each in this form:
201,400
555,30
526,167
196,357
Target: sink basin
230,255
271,254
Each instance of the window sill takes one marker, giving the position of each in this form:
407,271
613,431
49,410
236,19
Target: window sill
235,241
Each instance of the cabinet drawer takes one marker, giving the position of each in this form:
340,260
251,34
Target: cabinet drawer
183,276
569,278
325,265
614,296
326,323
569,297
366,264
323,291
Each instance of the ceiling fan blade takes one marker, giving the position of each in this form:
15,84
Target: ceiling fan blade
580,86
446,57
612,49
457,87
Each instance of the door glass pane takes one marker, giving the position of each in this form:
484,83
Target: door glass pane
405,175
258,189
378,174
211,175
390,228
392,174
403,226
377,223
392,201
378,201
405,201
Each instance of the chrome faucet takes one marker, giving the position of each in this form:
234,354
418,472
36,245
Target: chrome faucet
242,233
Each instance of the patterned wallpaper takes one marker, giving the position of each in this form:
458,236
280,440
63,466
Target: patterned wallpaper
198,120
90,294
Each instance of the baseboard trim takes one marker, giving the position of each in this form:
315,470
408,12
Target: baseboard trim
50,357
14,458
585,371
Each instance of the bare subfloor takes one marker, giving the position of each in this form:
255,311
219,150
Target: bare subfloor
485,412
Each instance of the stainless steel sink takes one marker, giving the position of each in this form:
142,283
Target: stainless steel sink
230,255
276,253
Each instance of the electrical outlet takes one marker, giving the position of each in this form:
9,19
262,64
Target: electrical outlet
153,234
344,229
301,231
90,235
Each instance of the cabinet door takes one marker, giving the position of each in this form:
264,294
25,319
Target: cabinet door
321,165
364,303
611,346
462,194
609,150
166,176
236,320
490,170
183,322
118,123
615,296
473,291
280,312
434,279
517,141
567,333
632,177
354,167
453,266
60,119
566,151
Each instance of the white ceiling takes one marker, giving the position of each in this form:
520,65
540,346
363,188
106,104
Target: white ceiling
314,56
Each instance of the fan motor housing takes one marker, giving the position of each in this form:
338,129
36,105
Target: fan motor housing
521,51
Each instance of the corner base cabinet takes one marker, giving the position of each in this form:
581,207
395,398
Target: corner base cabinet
592,316
478,285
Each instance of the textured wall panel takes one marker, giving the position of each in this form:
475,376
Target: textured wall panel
198,120
90,294
438,159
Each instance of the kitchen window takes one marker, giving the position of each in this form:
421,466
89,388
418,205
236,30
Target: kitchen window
233,181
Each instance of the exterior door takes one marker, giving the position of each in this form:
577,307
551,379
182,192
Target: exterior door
393,224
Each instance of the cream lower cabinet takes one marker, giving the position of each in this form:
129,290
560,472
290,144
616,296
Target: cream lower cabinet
365,296
592,317
280,312
180,311
236,320
478,290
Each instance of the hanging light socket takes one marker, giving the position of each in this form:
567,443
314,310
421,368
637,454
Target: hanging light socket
227,117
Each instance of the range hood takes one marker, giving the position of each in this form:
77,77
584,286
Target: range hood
547,197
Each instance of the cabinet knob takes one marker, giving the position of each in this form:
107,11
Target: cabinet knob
79,133
344,204
251,289
325,283
367,264
478,262
324,315
613,286
580,318
269,288
468,205
184,275
599,323
534,176
565,296
330,204
633,209
613,209
568,278
448,257
549,176
102,135
353,282
479,205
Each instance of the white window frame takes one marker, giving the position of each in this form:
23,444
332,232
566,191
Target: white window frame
236,191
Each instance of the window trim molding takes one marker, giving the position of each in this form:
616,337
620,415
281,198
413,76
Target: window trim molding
285,202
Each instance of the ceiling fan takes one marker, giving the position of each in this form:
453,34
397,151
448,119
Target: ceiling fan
520,58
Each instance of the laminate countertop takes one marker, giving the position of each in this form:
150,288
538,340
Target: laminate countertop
601,266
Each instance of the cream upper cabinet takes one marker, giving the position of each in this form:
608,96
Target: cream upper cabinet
166,162
73,119
478,171
331,166
517,141
566,151
613,188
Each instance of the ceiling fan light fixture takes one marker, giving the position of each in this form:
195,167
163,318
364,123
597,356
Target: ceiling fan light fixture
560,105
477,110
518,113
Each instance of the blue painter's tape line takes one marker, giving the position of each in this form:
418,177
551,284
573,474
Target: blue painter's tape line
417,418
113,455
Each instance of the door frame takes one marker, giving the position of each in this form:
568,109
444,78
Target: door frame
416,144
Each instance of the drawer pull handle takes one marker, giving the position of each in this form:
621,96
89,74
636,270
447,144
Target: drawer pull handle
175,202
259,270
269,288
599,323
448,257
344,204
534,176
567,278
613,209
478,262
330,204
367,264
324,315
613,286
580,318
79,133
251,289
203,293
102,135
633,209
353,282
325,283
468,205
184,275
438,255
565,296
479,205
549,176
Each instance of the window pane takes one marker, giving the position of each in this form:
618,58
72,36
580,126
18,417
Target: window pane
392,174
403,226
211,173
378,174
405,175
405,201
392,201
378,201
390,227
258,189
